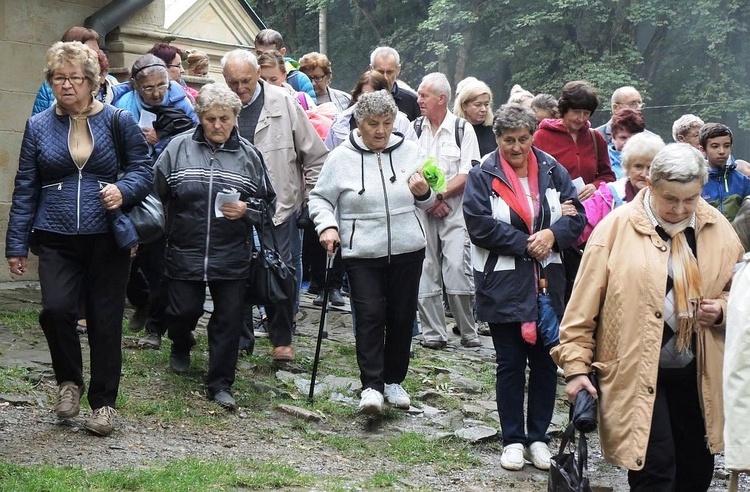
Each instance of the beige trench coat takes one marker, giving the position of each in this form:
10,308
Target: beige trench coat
614,323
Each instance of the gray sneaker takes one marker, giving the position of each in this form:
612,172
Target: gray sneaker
68,400
102,421
150,340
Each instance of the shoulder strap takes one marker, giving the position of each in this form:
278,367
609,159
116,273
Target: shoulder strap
418,125
116,136
596,147
459,130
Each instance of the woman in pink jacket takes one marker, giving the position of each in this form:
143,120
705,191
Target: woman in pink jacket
637,155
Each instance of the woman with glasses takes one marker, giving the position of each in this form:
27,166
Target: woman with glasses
317,67
69,180
172,56
163,111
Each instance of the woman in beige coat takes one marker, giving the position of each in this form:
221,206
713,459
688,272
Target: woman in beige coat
649,320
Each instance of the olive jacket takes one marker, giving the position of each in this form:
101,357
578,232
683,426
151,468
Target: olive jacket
614,323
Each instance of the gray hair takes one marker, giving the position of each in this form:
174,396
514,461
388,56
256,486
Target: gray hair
620,91
510,117
641,146
684,123
679,162
240,54
384,51
74,53
438,83
469,91
519,95
146,66
217,96
378,103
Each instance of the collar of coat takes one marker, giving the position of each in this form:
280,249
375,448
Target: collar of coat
233,143
704,214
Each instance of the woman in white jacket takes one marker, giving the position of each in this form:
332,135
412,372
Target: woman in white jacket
365,200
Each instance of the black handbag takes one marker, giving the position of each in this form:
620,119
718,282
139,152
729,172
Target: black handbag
568,469
148,216
270,281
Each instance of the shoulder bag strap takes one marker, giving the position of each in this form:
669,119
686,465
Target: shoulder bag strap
596,147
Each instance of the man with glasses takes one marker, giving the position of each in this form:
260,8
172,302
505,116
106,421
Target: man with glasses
623,97
293,152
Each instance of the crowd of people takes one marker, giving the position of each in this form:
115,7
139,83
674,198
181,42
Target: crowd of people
632,239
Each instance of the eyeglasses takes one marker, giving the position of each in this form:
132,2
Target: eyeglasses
150,89
60,80
176,65
634,104
317,78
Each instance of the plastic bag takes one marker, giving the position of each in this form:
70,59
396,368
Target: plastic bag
567,471
434,176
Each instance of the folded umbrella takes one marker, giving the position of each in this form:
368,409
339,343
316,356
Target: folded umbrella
548,323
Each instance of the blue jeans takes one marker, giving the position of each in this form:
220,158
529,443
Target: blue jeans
512,354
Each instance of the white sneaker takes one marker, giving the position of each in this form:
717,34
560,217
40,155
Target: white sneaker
539,455
371,402
397,396
512,457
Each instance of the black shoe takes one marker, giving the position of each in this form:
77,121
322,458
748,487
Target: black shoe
456,331
261,329
318,301
336,298
179,361
225,400
313,289
247,345
137,320
434,344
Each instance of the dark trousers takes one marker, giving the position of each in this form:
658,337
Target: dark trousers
385,298
281,315
146,286
677,457
512,353
185,300
317,259
94,265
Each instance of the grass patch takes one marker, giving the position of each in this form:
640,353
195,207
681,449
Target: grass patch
21,319
180,475
13,380
416,449
383,479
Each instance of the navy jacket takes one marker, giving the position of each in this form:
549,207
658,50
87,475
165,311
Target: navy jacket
52,194
503,271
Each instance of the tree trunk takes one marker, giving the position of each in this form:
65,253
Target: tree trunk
323,30
462,56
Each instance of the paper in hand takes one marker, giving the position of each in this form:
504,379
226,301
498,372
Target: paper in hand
222,198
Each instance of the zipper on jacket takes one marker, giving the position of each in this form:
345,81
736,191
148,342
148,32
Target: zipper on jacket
387,211
57,185
78,201
80,168
208,214
351,236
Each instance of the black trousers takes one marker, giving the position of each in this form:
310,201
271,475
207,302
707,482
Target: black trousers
146,286
95,266
317,258
677,457
384,296
185,300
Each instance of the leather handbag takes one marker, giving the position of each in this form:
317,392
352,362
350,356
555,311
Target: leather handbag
270,280
568,468
148,216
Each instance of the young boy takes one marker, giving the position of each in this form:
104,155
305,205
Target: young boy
269,40
726,186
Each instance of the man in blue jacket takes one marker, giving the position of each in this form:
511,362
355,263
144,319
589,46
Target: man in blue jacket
726,186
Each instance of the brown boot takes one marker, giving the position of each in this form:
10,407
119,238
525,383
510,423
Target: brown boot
102,421
283,353
68,400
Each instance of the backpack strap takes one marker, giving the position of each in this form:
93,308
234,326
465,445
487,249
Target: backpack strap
459,130
418,125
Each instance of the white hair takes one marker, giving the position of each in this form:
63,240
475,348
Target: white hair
240,54
679,162
684,123
384,51
438,83
620,91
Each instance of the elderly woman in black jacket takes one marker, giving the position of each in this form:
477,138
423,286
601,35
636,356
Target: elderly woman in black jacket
214,185
69,181
513,206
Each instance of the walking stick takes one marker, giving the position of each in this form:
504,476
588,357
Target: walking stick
322,333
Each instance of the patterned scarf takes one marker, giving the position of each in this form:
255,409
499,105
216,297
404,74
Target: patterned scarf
686,278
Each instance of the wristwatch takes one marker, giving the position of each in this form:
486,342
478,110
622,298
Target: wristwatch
439,197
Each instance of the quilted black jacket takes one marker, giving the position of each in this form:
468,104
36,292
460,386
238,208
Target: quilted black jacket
52,194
